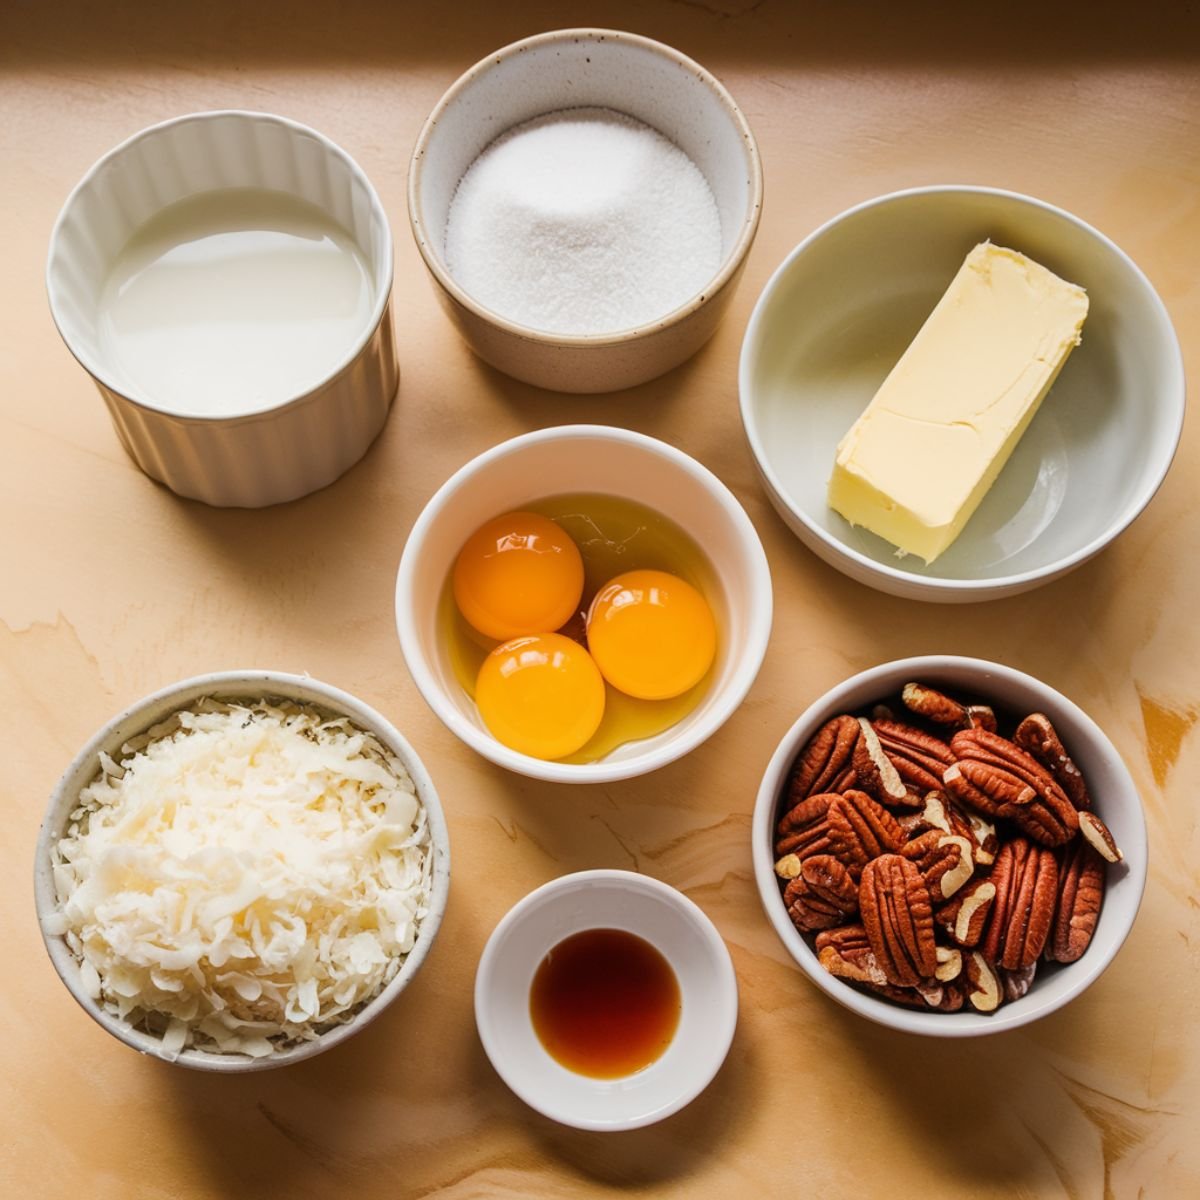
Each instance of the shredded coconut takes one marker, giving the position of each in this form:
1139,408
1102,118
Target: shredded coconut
244,877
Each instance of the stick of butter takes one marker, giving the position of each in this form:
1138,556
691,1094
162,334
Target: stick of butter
917,463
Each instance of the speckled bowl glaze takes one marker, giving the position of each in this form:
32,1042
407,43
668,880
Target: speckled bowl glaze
1114,796
573,68
256,458
149,711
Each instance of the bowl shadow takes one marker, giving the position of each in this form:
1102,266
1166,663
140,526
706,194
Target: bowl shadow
996,1107
669,1151
649,408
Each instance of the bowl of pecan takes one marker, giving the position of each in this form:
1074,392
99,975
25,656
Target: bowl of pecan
949,846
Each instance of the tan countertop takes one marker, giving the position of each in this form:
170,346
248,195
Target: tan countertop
112,587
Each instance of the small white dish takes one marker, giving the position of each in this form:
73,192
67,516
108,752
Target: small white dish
265,453
149,711
1114,796
670,922
841,309
580,459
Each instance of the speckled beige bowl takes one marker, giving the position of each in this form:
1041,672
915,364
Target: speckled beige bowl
573,68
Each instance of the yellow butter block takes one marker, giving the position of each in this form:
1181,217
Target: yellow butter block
916,464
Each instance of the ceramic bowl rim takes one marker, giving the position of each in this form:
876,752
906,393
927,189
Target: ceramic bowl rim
601,771
284,685
632,882
1085,970
730,264
933,587
371,323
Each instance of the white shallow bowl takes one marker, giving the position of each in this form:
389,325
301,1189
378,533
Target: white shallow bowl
598,459
677,928
1114,797
149,711
287,449
573,68
836,316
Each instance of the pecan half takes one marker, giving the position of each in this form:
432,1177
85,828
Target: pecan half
1097,835
944,860
1017,983
983,834
940,812
846,953
1040,738
949,964
876,772
804,828
984,989
981,716
849,825
821,895
898,918
953,997
965,916
934,706
1080,897
943,997
920,758
1026,879
932,815
788,867
908,996
824,765
996,777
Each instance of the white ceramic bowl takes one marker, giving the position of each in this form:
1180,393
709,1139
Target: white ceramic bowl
149,711
581,459
1113,793
571,68
677,928
283,450
839,312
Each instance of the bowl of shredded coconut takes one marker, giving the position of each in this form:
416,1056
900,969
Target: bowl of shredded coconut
241,870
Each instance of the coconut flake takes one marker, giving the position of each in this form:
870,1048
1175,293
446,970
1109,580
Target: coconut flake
251,873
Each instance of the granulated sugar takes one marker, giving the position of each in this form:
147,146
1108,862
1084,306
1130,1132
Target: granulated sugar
583,221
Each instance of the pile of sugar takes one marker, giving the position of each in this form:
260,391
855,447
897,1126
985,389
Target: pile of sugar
583,221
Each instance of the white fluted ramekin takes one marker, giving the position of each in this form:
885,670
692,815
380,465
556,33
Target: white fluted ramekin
285,450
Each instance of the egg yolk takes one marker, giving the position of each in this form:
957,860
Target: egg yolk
518,574
652,634
542,696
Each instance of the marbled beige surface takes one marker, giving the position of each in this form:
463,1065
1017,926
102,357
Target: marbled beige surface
111,587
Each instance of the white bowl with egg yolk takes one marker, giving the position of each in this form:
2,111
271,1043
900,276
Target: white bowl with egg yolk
844,305
580,459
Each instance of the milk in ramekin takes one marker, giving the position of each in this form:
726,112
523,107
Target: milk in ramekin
225,278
